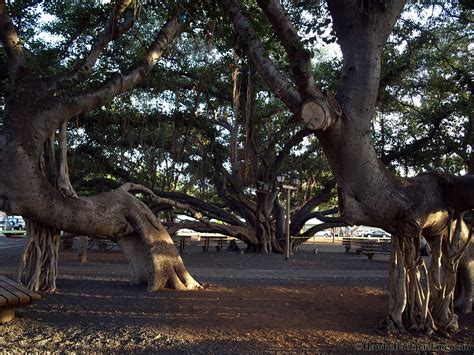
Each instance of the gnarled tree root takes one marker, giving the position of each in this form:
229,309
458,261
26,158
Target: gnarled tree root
425,305
151,266
38,268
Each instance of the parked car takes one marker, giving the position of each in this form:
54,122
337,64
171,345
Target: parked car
370,232
379,233
323,233
15,222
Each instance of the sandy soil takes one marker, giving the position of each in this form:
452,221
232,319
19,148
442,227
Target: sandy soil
331,302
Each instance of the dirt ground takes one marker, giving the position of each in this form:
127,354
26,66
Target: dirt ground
325,302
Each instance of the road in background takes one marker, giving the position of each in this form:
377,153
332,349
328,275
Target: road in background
14,244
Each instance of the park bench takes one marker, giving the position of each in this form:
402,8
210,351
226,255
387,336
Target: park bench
13,295
213,240
367,246
182,241
346,242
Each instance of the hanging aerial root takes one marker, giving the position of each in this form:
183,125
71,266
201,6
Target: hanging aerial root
446,256
417,315
426,304
38,268
397,287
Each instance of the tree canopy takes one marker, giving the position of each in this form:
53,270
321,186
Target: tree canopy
202,104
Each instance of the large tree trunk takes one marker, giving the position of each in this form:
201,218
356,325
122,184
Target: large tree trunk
39,262
369,193
265,228
116,214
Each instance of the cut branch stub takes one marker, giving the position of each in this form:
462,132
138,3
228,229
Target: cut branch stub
334,105
319,115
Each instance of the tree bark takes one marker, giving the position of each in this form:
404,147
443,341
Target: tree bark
38,268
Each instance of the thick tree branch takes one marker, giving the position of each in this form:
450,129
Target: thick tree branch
280,85
299,218
73,105
244,209
112,31
11,43
207,208
458,191
279,214
234,183
242,200
160,201
243,233
293,141
299,57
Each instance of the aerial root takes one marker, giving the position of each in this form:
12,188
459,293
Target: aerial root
419,305
38,267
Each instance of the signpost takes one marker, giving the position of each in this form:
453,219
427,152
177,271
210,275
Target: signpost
288,188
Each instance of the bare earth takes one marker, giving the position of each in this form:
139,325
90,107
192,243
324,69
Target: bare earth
331,302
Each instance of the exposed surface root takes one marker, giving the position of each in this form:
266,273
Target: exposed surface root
157,269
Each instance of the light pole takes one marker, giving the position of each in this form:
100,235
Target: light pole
288,188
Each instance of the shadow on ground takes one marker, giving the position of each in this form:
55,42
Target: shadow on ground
331,301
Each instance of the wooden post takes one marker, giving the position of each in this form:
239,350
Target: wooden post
82,250
287,248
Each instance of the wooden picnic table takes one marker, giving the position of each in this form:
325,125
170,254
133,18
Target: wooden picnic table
182,241
213,240
12,296
368,246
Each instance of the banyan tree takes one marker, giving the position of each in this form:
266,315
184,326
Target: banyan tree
430,205
36,182
38,105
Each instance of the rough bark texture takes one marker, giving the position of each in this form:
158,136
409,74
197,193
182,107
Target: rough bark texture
39,263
